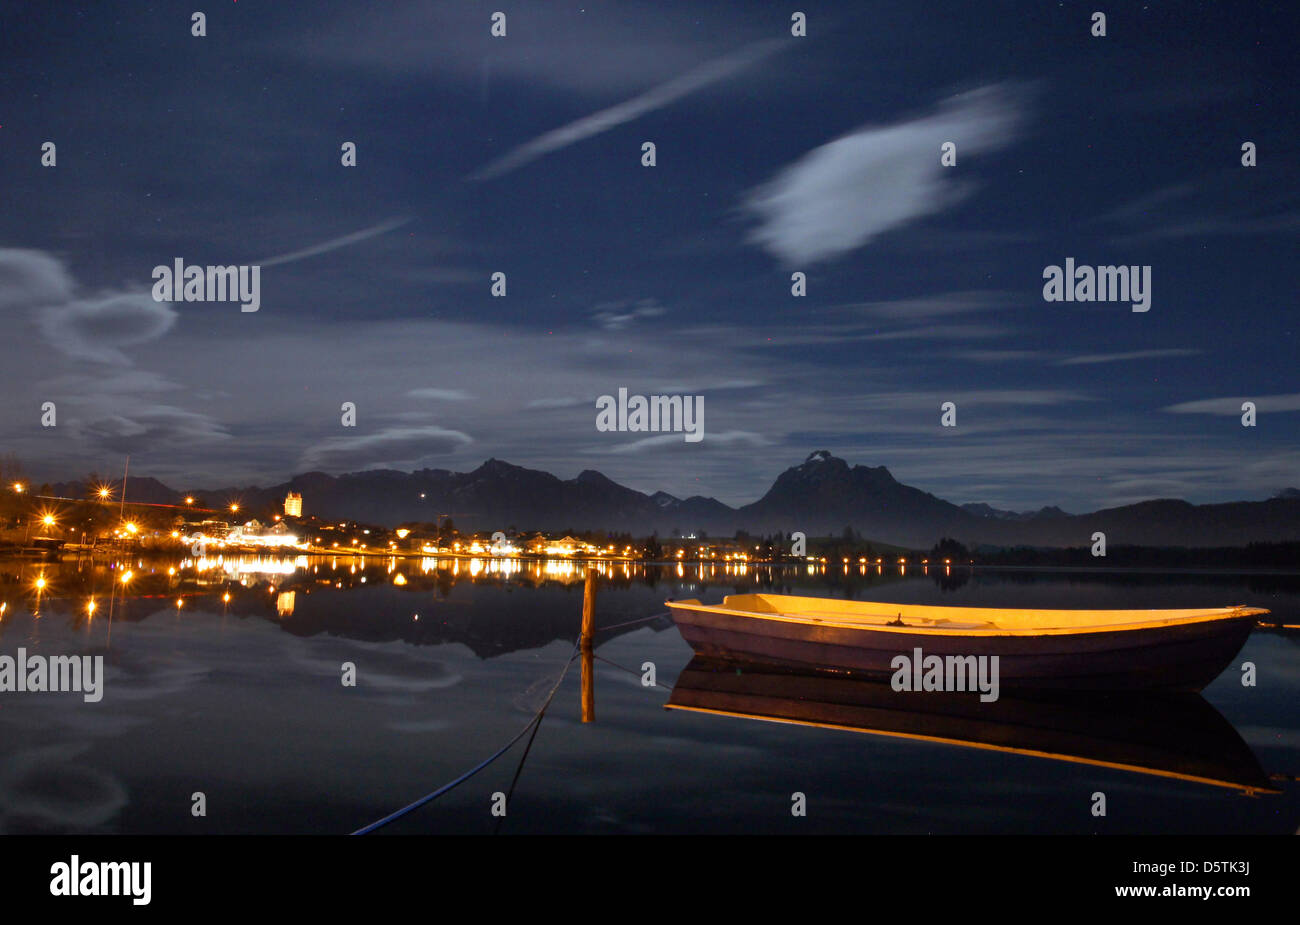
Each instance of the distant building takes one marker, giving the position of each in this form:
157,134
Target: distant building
293,504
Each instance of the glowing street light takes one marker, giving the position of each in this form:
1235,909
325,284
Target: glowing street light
19,487
105,492
189,500
132,528
48,520
234,507
127,576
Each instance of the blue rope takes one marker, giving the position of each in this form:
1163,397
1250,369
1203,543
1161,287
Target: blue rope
427,798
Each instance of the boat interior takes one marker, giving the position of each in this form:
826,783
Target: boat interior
921,616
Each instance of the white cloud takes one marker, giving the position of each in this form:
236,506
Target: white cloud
843,194
95,328
29,278
91,327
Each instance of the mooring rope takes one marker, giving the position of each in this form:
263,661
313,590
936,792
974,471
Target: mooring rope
631,671
429,797
657,616
510,794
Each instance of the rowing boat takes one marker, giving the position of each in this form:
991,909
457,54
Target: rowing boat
1071,649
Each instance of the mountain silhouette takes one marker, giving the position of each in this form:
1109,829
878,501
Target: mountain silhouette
822,495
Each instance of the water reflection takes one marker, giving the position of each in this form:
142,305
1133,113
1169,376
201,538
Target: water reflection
1170,735
305,595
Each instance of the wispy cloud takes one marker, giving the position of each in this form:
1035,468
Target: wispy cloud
1211,206
393,446
840,196
1232,406
937,306
1091,358
335,243
606,119
440,394
615,316
725,438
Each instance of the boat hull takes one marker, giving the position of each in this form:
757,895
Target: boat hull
1180,657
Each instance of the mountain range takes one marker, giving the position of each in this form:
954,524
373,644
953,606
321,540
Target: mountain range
822,495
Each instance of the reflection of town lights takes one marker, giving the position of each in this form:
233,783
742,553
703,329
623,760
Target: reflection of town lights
179,603
90,606
40,583
226,597
399,579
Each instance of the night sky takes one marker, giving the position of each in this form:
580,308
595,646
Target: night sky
775,154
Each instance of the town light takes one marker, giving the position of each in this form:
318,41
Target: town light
18,487
127,576
189,500
104,492
132,528
48,520
234,507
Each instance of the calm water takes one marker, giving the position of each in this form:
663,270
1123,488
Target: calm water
242,700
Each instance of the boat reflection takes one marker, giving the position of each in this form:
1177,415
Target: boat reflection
1166,735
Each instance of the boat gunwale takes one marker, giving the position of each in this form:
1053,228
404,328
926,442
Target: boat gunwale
1232,612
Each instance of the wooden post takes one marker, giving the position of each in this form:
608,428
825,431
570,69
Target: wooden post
585,645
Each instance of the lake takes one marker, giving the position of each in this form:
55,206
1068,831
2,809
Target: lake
223,677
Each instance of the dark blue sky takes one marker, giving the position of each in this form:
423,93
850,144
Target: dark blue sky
522,154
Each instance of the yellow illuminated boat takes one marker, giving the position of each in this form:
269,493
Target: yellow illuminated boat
1076,649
